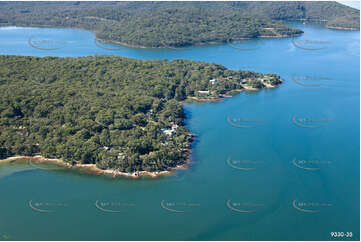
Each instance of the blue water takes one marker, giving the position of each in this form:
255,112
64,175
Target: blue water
293,176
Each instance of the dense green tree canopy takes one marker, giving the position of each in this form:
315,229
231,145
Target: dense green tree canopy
115,112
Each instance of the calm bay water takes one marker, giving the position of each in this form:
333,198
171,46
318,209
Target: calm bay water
293,176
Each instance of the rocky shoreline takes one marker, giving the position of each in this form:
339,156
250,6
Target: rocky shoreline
93,169
228,94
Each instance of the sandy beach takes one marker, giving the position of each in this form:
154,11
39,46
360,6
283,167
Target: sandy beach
93,169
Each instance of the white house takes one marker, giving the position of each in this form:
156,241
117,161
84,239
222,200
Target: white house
213,81
203,92
121,155
170,131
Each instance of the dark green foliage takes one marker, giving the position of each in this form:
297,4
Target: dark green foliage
104,110
179,28
177,24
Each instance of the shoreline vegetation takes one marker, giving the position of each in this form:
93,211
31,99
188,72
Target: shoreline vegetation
177,25
229,93
92,169
234,41
105,41
110,114
123,117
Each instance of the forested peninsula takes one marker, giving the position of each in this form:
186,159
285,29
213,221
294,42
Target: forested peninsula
179,24
117,113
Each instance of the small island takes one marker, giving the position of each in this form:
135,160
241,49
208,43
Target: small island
106,114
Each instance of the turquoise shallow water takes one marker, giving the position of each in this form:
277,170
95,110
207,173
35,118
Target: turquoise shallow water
293,176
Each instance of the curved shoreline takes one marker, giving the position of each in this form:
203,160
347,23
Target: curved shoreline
93,169
95,32
190,45
343,28
228,94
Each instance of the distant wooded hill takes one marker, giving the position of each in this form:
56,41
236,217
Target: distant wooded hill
178,24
